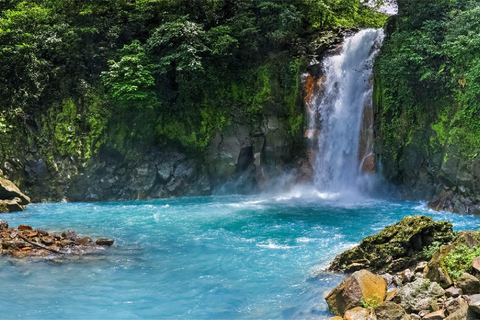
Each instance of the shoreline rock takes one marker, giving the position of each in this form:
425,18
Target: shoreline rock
24,241
442,284
11,198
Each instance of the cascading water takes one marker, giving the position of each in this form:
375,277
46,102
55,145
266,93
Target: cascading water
339,108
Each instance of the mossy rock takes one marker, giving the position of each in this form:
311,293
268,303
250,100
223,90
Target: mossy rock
396,247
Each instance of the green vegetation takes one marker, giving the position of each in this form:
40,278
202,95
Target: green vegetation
371,303
428,80
459,260
77,75
430,250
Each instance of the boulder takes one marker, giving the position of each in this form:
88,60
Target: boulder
24,227
390,311
9,191
70,235
454,305
474,303
453,292
435,269
420,295
361,285
468,283
396,247
7,206
357,313
476,265
437,315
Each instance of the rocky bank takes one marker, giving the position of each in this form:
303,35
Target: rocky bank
415,269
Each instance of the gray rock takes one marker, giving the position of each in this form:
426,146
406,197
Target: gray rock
420,295
9,191
453,292
468,283
474,303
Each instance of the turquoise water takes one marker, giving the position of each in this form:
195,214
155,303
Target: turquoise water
226,257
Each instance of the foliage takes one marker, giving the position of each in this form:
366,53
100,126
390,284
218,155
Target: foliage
371,303
459,260
430,250
429,77
129,73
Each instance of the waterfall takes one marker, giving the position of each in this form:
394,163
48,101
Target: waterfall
347,90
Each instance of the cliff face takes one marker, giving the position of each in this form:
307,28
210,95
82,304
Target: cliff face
426,104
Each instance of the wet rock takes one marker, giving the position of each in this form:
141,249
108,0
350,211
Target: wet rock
3,225
9,191
349,294
453,292
357,313
24,227
84,241
70,234
468,283
104,242
420,295
390,311
396,247
436,270
437,315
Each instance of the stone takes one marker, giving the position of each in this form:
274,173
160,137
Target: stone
474,303
9,191
435,269
357,313
390,311
453,292
48,241
24,227
3,225
349,294
437,315
335,318
396,247
420,266
456,304
393,295
476,264
414,316
420,295
7,206
84,241
407,276
105,242
468,283
70,234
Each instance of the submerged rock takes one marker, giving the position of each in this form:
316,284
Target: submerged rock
361,285
104,242
396,247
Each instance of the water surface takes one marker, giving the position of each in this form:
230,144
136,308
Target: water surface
225,257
